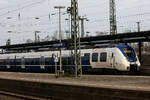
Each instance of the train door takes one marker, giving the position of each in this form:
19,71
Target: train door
86,62
42,66
23,63
14,67
7,63
112,60
94,60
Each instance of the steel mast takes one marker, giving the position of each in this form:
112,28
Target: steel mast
113,22
75,36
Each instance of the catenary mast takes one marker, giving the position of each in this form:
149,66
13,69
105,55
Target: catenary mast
113,22
75,36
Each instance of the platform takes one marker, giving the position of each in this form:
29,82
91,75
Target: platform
88,87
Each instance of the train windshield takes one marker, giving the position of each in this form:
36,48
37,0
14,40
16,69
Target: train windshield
129,52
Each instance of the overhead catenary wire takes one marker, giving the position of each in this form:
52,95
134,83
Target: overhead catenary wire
17,9
13,6
100,23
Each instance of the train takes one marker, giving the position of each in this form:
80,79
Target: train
122,58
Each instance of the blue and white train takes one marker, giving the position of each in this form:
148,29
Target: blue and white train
120,57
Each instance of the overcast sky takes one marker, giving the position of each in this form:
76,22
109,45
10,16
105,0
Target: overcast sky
97,11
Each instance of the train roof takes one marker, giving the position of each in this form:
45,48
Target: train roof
49,53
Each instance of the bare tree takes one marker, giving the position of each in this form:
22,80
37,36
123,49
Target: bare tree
55,35
29,41
8,42
47,38
67,34
99,33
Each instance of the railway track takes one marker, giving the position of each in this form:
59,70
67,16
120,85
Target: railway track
14,96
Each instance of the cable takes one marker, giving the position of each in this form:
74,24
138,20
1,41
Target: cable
14,5
132,15
35,3
39,17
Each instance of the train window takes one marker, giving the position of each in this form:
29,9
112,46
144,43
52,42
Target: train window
52,61
5,61
87,57
103,57
71,61
129,52
27,61
64,60
37,61
94,57
18,61
1,61
32,62
47,61
12,62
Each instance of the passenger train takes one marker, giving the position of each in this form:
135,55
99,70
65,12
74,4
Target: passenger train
120,57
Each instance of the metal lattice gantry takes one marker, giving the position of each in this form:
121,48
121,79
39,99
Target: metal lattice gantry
75,36
113,22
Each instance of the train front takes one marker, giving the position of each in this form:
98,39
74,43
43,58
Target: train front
132,61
